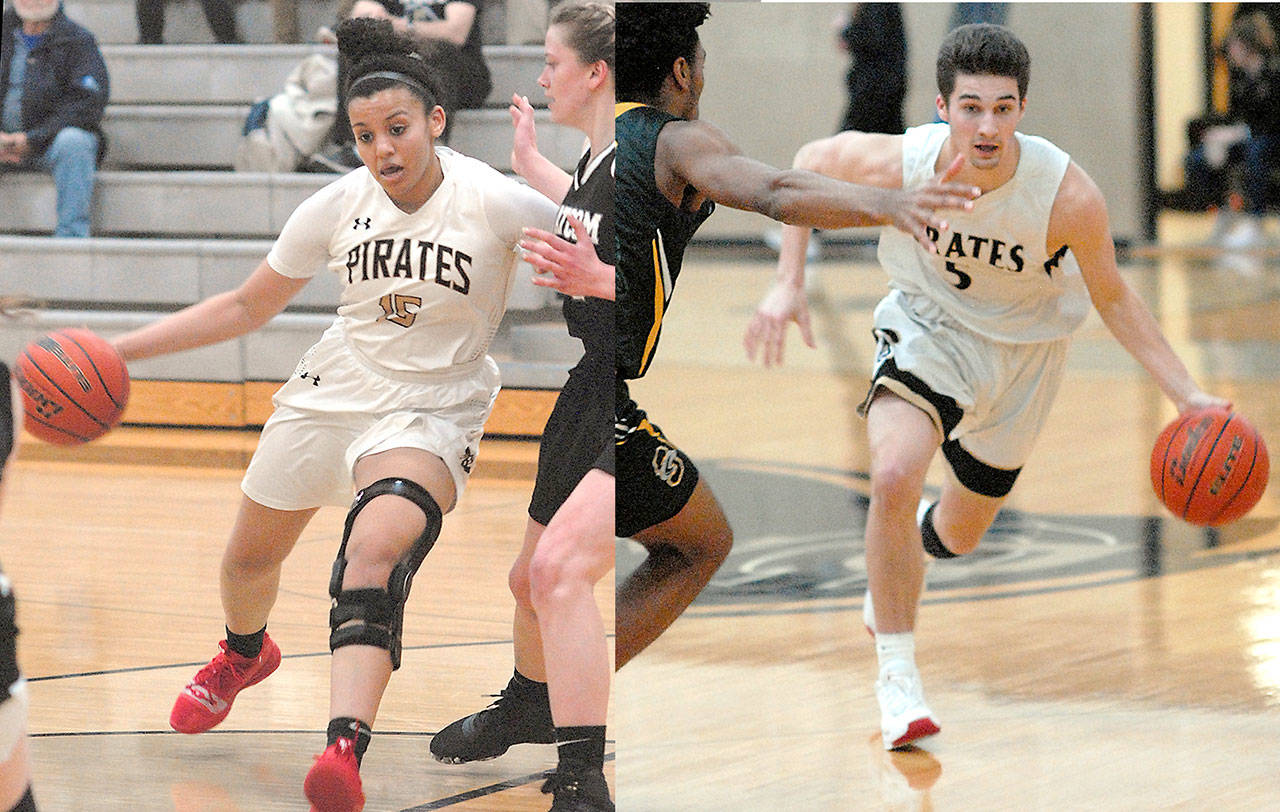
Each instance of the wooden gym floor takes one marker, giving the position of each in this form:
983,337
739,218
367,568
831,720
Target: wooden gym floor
1095,653
113,550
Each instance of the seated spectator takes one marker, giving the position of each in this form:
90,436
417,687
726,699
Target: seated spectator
54,87
450,35
456,22
1249,136
290,131
220,14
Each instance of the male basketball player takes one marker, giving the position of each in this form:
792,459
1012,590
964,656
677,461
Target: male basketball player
972,338
672,169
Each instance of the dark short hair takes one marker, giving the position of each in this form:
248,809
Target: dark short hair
982,49
651,37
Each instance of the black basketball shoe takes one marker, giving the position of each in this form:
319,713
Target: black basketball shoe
518,715
578,789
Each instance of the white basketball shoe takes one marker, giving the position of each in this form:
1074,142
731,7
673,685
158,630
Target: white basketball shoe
904,716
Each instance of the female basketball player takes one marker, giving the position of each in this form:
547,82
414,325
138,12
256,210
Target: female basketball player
673,169
560,688
973,336
392,399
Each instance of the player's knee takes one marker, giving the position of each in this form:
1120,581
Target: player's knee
370,557
950,540
555,576
565,566
895,486
961,543
708,545
518,583
719,543
371,612
380,534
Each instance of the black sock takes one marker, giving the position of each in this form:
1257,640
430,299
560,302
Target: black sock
581,746
346,727
27,803
246,645
929,536
526,685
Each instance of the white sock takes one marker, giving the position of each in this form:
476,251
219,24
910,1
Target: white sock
896,648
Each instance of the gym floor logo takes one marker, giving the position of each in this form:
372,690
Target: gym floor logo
798,535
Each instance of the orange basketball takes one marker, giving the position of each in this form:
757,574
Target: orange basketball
74,386
1209,467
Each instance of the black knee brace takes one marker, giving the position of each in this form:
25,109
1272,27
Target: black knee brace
929,536
371,616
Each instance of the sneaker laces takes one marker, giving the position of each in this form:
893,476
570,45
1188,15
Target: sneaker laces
900,692
559,782
220,671
497,706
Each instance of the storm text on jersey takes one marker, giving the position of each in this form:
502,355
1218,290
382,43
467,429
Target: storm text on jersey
589,219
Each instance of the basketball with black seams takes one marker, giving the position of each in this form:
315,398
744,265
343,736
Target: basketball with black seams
74,386
1209,467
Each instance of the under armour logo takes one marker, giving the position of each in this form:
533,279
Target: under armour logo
363,222
668,466
315,379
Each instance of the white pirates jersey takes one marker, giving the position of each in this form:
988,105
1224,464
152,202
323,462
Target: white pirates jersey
992,272
423,291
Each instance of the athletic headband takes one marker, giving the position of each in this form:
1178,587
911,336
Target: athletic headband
395,76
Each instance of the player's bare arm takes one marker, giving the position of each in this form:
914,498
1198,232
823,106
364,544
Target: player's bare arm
218,318
698,155
526,160
871,159
1079,220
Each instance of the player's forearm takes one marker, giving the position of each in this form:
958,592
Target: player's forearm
791,256
215,319
805,198
1136,329
445,29
549,179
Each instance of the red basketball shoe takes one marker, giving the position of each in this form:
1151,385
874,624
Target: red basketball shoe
333,785
207,699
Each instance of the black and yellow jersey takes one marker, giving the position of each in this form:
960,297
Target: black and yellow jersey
652,235
590,200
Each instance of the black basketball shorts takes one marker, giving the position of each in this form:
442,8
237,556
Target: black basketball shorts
655,479
576,437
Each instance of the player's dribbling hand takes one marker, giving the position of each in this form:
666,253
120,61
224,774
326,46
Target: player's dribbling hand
767,332
916,211
573,268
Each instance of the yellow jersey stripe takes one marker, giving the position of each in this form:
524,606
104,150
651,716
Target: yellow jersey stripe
622,107
659,303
